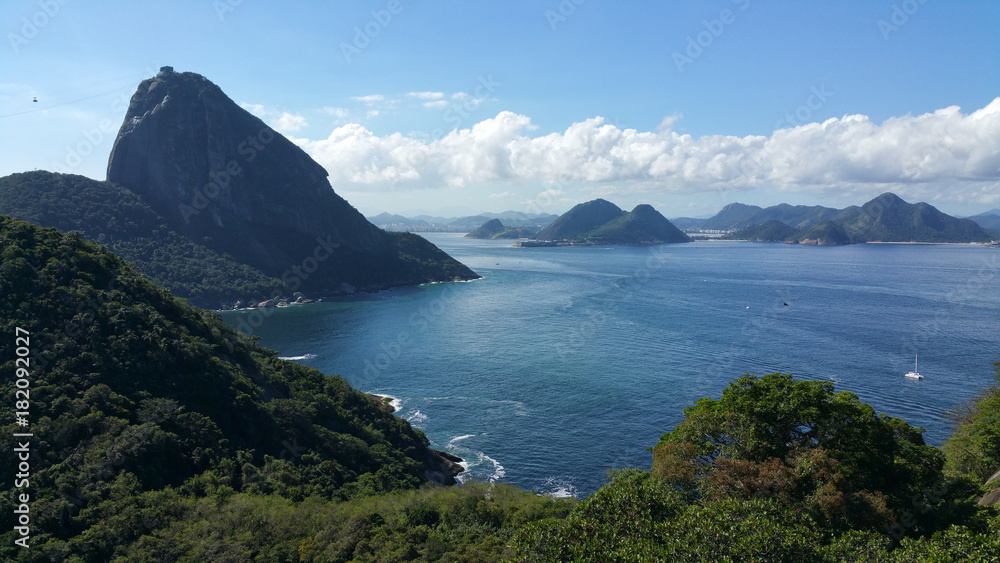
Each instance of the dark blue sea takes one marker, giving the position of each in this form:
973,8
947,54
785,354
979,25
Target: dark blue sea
564,362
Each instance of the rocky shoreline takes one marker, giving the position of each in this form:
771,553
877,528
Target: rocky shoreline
439,467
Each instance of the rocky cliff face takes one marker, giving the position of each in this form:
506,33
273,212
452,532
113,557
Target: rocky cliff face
222,177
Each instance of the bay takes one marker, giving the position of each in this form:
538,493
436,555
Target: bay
564,362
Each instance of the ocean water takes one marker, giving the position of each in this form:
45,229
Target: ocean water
564,362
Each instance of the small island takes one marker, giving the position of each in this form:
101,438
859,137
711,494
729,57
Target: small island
600,222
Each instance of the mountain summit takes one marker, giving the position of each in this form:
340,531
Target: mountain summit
602,222
222,177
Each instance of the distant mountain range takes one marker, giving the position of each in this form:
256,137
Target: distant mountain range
989,220
886,218
427,223
736,216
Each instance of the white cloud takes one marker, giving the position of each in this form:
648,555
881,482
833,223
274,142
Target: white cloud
256,109
436,104
339,113
289,122
426,95
369,99
943,154
503,195
283,122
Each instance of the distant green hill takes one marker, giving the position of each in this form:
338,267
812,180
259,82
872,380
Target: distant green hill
116,217
602,222
989,220
642,225
495,229
886,218
581,220
827,233
771,231
132,390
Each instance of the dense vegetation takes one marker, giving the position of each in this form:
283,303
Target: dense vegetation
163,435
118,218
778,470
769,231
495,229
132,390
974,449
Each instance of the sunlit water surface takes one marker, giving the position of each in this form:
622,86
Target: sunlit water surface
564,362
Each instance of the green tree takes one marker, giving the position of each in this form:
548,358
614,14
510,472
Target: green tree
822,453
974,449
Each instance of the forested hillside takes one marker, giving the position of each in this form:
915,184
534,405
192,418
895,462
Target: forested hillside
119,219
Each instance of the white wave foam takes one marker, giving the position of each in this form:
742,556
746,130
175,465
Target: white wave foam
560,488
395,402
302,357
417,417
498,470
457,439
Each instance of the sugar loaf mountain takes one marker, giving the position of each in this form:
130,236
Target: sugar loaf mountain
216,206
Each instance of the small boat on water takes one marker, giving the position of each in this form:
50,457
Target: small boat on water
914,374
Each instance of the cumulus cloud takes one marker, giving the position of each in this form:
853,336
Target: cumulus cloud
912,155
426,95
339,113
288,122
369,99
281,121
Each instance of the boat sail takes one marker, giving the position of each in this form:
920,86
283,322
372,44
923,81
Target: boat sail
914,374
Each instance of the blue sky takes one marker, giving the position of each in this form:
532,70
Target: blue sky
453,107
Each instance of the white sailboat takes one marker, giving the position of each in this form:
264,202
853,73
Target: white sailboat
914,374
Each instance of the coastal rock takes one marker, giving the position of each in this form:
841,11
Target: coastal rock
441,468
